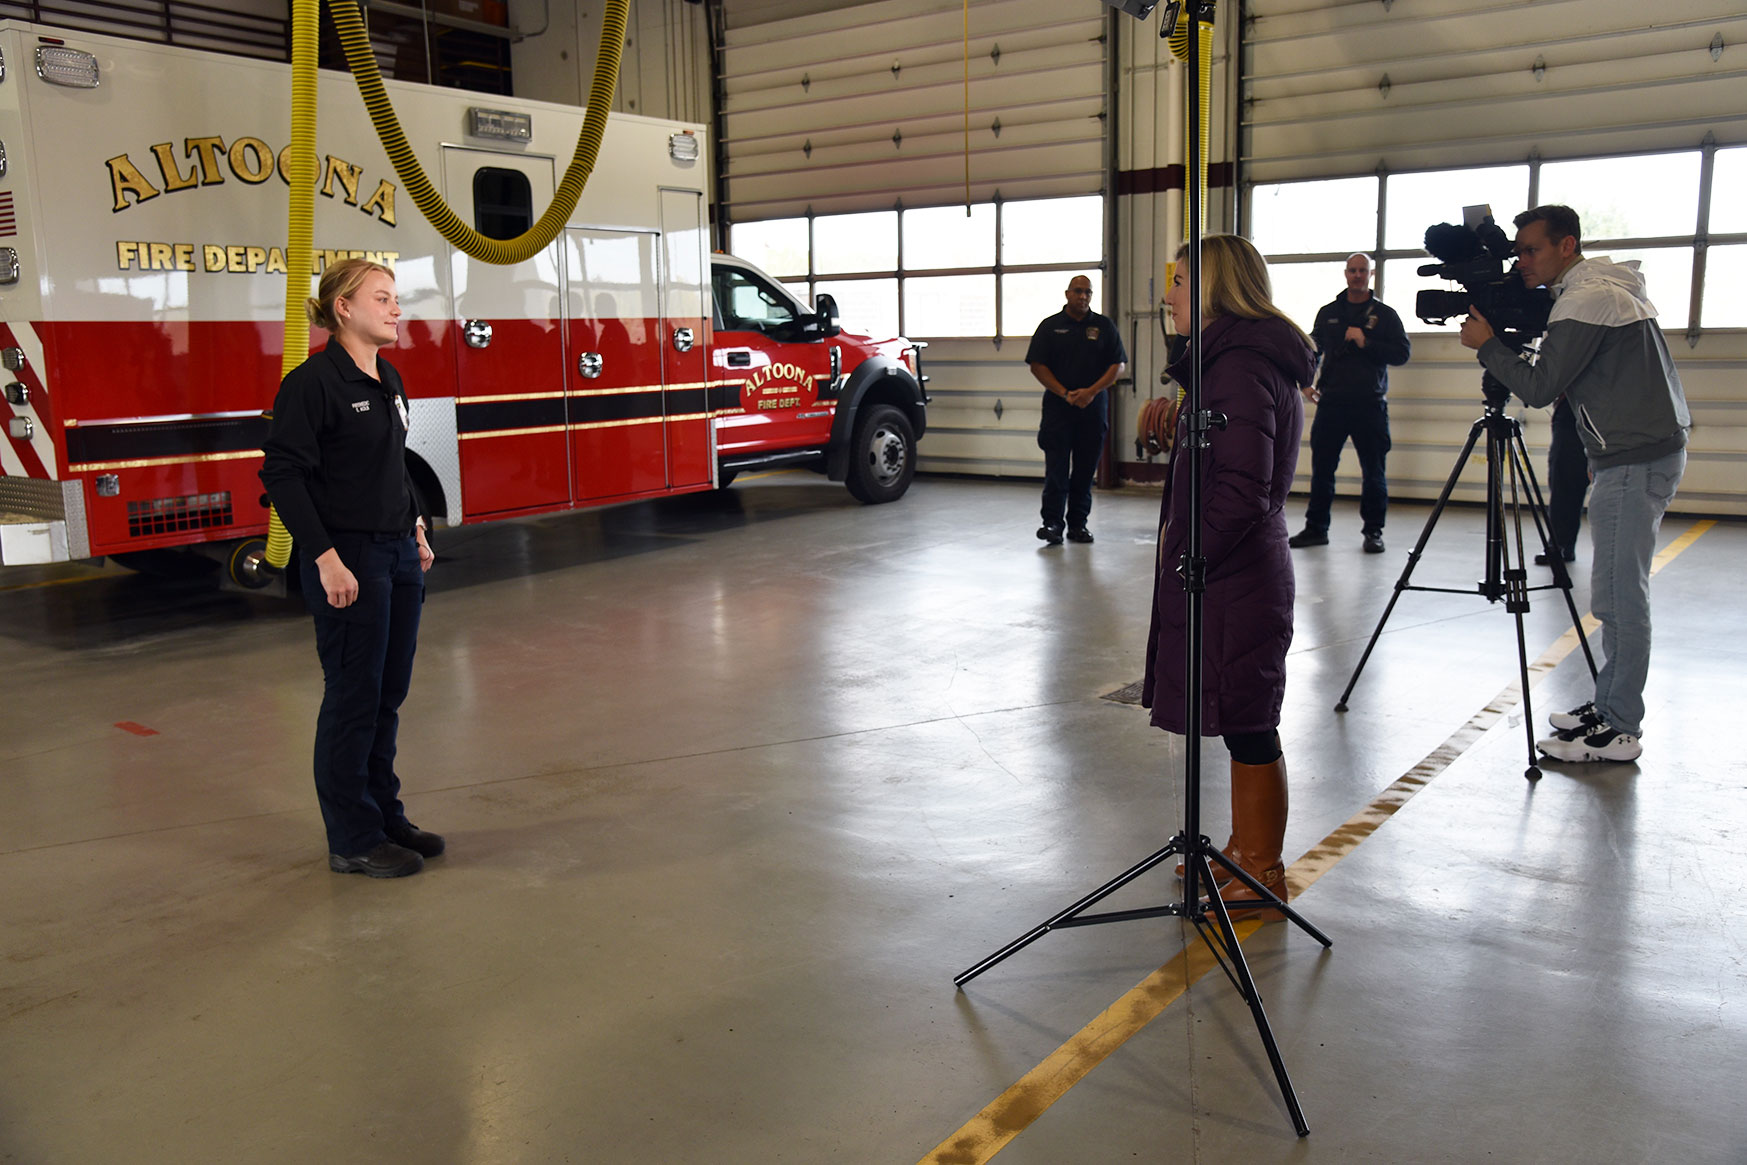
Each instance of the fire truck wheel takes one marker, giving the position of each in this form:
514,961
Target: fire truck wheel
882,455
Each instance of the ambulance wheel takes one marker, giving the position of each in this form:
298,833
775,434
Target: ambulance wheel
882,455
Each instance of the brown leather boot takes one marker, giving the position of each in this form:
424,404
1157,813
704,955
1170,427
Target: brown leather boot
1258,832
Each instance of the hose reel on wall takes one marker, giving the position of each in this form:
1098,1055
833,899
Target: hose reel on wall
355,39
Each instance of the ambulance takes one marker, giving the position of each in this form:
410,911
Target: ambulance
142,279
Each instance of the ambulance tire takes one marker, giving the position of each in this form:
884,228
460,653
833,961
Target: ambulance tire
882,455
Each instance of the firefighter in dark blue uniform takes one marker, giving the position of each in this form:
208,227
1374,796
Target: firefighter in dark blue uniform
1076,355
1358,337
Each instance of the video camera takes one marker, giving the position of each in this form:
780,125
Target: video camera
1475,257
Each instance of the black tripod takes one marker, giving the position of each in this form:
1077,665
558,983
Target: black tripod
1212,915
1507,468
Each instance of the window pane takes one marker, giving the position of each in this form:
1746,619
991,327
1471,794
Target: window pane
1294,218
1028,299
799,289
1417,201
1725,287
943,237
866,307
949,305
1053,230
779,245
1667,275
1729,195
1301,288
1627,198
856,242
746,303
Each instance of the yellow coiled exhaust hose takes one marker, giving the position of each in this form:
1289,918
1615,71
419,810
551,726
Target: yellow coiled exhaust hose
300,171
1180,49
300,225
356,41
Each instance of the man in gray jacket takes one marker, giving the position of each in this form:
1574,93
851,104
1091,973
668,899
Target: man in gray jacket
1605,352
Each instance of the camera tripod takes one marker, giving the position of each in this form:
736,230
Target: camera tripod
1507,468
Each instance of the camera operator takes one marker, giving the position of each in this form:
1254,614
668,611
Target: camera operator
1358,337
1605,353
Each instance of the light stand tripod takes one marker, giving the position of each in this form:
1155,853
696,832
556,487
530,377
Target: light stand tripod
1211,917
1507,464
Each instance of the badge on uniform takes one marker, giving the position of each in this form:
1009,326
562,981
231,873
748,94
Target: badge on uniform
1092,334
400,406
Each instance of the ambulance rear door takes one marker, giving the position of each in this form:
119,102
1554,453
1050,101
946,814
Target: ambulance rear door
509,341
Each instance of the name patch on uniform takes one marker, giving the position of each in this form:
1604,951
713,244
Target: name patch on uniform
1092,334
360,406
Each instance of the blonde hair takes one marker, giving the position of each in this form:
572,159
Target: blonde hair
1234,281
339,280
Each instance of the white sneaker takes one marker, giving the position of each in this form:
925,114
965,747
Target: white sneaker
1603,742
1582,716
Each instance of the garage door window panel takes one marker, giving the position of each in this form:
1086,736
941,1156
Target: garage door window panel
1309,218
1646,196
1417,201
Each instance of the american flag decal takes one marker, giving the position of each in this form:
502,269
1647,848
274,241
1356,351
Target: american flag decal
8,220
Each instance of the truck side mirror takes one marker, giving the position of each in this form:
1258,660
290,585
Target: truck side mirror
827,314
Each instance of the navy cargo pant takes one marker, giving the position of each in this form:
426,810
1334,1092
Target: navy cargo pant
366,653
1567,478
1072,441
1366,421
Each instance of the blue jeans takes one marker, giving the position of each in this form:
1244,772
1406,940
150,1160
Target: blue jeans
1626,504
366,653
1366,421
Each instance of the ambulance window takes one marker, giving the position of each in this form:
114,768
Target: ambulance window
749,304
503,203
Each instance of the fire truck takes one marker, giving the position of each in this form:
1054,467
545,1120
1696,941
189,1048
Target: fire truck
142,284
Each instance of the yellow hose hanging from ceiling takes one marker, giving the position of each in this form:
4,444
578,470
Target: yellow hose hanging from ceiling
300,173
356,41
1179,41
300,227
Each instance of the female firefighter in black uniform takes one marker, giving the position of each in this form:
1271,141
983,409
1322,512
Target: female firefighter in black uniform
335,468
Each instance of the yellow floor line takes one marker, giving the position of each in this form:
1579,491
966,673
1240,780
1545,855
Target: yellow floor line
1011,1113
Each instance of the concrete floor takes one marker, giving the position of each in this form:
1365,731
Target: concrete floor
735,785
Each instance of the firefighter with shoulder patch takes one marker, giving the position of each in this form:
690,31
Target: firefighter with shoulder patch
335,467
1076,355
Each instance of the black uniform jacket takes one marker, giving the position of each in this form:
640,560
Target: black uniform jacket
336,451
1348,371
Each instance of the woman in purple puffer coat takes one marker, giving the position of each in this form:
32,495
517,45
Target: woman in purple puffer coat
1253,361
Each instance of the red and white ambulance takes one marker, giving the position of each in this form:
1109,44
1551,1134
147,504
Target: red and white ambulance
142,283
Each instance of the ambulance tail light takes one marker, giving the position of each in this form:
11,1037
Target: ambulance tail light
8,266
60,65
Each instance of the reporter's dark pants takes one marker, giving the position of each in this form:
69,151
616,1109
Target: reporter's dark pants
1567,478
1072,441
1366,421
366,653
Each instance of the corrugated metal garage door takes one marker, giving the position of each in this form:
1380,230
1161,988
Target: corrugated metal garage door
1385,90
861,107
